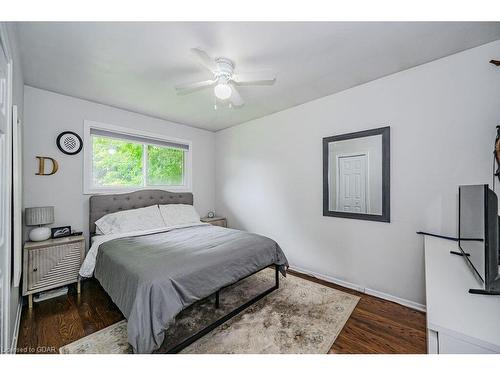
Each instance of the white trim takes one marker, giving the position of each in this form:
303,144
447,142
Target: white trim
7,196
334,280
362,289
401,301
144,164
17,325
87,159
460,336
17,193
432,342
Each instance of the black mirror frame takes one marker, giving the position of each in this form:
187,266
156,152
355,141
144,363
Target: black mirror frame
386,175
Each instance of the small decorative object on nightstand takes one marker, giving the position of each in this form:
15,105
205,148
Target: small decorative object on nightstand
60,232
216,220
51,264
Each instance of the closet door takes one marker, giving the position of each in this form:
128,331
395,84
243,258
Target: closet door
17,194
5,199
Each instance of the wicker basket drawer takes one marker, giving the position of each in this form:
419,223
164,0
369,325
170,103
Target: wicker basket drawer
55,265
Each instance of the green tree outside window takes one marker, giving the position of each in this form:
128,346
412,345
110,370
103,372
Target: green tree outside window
165,166
119,162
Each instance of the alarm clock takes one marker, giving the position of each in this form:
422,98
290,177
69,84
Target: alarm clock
211,214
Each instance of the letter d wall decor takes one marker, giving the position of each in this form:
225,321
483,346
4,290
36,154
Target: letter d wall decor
41,166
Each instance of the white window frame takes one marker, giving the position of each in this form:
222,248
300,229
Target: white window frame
88,187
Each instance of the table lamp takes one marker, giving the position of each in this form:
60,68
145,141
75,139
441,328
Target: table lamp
39,216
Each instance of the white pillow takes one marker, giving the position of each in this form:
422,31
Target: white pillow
131,220
178,214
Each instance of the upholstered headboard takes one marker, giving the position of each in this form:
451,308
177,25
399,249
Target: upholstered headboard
100,205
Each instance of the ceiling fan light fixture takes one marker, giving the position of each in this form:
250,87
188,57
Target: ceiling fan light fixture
223,91
224,80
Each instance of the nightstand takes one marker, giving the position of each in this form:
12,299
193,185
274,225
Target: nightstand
217,221
51,264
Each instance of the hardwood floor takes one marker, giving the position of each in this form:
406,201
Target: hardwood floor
375,326
378,326
61,320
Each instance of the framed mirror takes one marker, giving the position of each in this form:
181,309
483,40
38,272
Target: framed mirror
356,175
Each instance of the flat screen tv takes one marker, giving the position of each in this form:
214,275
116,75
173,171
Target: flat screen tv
478,229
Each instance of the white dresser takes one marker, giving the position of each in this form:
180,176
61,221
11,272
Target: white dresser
457,321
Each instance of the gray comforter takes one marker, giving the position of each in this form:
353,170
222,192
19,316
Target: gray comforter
151,278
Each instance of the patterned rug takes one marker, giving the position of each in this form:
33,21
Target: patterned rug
300,317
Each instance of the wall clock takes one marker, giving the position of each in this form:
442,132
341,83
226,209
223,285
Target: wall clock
69,143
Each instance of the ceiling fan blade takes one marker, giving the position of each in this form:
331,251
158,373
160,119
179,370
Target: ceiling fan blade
204,59
264,77
188,88
236,98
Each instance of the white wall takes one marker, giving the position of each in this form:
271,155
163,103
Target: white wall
442,117
47,114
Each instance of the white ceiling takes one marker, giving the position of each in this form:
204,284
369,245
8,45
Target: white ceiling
135,66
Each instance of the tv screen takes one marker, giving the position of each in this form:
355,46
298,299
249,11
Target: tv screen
472,227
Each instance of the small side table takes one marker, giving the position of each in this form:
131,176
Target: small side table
217,221
51,264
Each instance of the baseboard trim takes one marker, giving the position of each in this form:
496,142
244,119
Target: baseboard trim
389,297
15,334
362,289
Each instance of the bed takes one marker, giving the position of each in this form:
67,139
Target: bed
153,275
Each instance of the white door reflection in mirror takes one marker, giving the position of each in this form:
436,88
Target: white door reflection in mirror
351,194
355,175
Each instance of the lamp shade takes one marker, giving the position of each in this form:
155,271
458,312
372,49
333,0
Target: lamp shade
39,215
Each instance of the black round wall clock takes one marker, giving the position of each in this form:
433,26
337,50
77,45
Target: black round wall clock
69,143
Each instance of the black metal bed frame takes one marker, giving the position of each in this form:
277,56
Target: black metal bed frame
188,341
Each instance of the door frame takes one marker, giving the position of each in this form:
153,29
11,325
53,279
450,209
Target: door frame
17,197
6,197
367,177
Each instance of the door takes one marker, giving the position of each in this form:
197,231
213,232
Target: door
4,200
351,194
17,210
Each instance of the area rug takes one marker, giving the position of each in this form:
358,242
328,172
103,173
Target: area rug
300,317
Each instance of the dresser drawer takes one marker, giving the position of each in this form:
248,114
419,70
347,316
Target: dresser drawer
54,265
453,345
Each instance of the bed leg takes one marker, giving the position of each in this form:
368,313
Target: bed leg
277,275
177,348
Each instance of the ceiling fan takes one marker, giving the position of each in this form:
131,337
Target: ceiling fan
225,79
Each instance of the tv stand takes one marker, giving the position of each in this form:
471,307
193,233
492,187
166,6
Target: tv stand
485,292
494,291
459,253
457,321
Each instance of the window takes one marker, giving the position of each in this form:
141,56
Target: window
116,159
